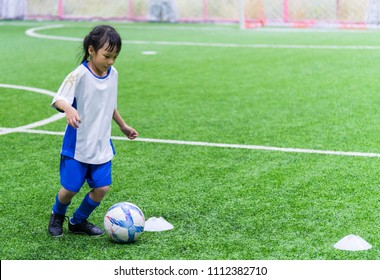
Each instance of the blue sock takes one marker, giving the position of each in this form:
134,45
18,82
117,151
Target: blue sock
84,210
60,208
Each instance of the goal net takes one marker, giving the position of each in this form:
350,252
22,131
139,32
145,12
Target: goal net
247,13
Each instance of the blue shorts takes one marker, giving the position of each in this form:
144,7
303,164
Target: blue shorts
74,174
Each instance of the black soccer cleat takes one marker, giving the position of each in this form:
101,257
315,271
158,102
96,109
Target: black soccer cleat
85,227
56,225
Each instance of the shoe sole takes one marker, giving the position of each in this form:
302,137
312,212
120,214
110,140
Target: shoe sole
81,232
55,236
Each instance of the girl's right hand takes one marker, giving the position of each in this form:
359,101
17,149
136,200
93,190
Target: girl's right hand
72,117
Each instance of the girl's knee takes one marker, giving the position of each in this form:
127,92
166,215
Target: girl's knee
65,196
99,193
104,189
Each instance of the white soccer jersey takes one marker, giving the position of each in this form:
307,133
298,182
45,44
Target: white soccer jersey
95,99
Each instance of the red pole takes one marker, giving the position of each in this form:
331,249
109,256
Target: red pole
131,11
205,10
61,13
286,11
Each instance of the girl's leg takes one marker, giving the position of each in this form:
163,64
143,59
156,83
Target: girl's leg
78,223
62,201
89,203
57,217
72,175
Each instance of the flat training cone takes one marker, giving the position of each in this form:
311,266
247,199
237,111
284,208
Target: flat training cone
352,243
157,224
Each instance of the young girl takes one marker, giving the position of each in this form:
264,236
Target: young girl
88,96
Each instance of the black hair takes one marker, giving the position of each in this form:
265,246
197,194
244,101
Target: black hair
98,37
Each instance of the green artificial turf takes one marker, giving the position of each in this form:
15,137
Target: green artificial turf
224,203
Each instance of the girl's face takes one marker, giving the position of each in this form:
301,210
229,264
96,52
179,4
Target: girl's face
101,60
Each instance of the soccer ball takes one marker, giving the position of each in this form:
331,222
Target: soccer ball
124,222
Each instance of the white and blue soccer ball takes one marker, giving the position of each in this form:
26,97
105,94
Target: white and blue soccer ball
124,222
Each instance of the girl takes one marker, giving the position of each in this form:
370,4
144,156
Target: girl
88,96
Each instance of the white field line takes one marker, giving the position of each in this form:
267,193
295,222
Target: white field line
221,145
33,33
222,28
35,124
25,128
254,147
38,90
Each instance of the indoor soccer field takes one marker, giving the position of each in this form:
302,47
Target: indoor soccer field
259,144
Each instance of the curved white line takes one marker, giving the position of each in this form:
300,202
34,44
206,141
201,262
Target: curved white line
35,124
32,32
38,90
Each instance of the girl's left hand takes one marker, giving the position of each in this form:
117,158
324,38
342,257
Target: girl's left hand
130,132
